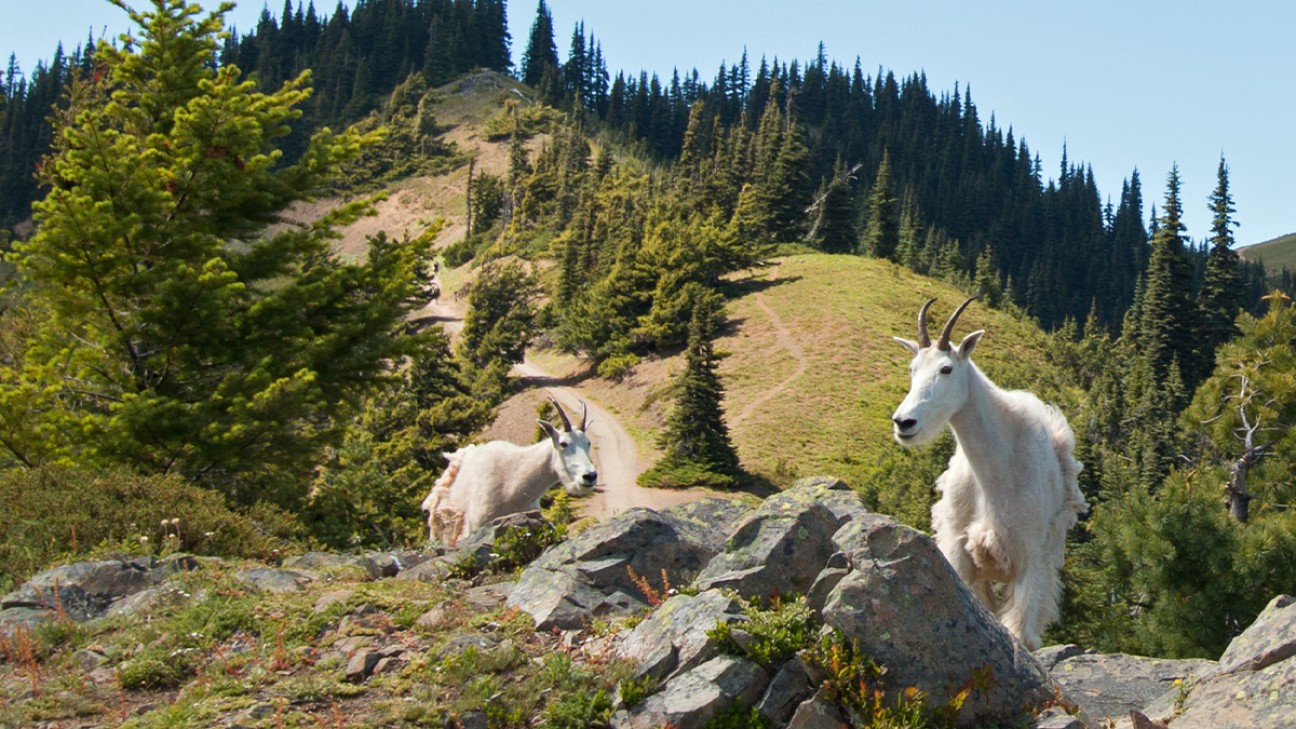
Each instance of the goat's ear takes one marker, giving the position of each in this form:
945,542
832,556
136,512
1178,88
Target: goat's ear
552,431
969,343
910,345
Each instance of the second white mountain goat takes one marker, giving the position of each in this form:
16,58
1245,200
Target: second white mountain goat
487,481
1010,493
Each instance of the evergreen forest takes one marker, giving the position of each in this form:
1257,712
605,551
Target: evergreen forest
143,188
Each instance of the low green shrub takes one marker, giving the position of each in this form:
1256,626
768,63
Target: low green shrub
779,630
737,716
56,514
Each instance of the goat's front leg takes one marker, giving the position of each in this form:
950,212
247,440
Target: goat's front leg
951,538
1031,602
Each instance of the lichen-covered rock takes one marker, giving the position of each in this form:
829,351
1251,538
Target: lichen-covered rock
674,638
817,713
780,548
909,611
789,688
1253,686
272,579
86,590
1269,640
1112,685
591,574
693,698
835,494
354,564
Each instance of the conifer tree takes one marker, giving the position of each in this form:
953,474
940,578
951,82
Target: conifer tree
1220,298
1169,313
834,227
695,442
541,54
177,333
499,325
882,235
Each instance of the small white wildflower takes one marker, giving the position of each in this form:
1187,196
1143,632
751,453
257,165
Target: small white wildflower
209,535
166,523
143,540
175,521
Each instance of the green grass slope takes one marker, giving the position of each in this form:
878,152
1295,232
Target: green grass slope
813,376
1276,254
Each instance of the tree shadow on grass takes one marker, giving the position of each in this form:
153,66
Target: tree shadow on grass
733,289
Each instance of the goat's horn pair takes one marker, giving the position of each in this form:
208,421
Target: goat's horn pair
567,426
563,414
943,344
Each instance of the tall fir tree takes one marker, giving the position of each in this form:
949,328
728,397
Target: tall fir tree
1220,298
696,449
834,214
541,54
178,333
1169,313
882,234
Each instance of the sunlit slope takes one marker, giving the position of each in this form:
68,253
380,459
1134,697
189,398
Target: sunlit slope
1277,254
812,374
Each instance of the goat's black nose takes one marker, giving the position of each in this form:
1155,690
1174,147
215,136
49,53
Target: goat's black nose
589,476
904,423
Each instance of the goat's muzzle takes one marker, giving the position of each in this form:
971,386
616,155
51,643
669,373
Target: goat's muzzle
905,428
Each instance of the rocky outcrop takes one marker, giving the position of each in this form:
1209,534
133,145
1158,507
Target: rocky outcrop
1253,685
605,569
904,605
88,590
877,585
1111,685
874,589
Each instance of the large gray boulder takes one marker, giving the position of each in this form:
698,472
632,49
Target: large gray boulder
907,609
1253,686
674,638
1112,685
693,698
87,590
780,548
590,575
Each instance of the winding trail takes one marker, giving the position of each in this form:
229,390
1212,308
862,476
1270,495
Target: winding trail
613,450
783,340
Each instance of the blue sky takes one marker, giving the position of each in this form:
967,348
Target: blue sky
1124,85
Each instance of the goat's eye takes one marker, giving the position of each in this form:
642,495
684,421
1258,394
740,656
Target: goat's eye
946,370
563,443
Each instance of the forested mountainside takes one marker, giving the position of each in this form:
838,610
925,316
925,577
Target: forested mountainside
970,194
166,324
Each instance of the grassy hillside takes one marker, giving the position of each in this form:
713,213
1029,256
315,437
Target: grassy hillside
812,375
1276,254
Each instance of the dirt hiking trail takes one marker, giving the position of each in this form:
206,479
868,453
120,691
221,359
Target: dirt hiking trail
612,449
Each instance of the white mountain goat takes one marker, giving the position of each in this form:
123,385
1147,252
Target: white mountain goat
487,481
1010,492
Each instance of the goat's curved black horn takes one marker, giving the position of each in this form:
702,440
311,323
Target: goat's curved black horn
562,414
584,415
943,343
924,340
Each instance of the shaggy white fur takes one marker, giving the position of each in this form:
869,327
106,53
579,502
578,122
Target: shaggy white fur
1010,493
487,481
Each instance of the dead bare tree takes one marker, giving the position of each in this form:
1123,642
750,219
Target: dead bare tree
1235,489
